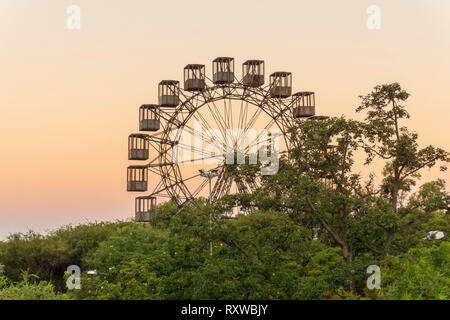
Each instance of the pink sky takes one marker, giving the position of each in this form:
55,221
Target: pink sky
69,98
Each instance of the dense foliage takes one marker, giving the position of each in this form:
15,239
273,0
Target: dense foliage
260,256
311,231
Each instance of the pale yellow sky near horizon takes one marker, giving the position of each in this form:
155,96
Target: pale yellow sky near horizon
69,98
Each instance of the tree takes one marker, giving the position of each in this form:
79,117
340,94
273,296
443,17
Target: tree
385,137
315,185
49,256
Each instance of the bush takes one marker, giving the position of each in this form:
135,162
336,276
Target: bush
25,290
422,273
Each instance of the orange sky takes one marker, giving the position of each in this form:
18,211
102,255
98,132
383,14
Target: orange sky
69,99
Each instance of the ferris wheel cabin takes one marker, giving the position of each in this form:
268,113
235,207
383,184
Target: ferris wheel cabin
304,104
168,93
253,73
281,84
137,178
223,70
145,209
138,146
149,117
194,77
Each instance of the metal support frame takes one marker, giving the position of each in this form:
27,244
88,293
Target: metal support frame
221,99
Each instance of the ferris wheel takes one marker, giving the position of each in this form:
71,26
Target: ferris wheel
194,136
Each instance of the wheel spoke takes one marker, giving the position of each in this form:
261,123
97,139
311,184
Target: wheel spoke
235,113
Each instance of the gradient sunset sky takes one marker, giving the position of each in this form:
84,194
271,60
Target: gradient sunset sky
69,98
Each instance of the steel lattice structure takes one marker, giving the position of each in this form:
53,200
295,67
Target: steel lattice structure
219,104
